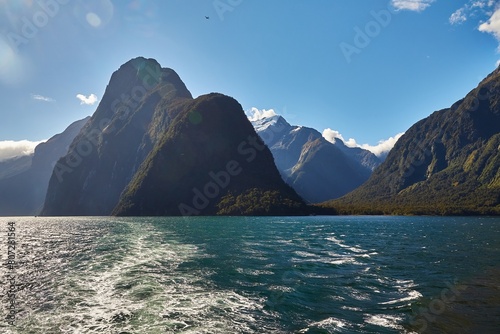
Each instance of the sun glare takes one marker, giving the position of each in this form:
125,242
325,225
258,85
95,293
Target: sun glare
93,19
13,69
98,15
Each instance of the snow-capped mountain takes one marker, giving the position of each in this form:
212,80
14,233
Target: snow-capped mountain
316,168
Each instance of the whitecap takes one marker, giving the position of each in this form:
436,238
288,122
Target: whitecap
329,324
412,295
384,320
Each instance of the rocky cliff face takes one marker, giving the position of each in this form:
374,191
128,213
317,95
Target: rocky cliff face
317,169
22,191
209,162
447,163
150,149
109,150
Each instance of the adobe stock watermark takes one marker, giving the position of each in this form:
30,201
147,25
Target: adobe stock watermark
220,180
363,36
224,6
289,282
10,276
436,307
422,153
419,156
483,94
122,106
31,26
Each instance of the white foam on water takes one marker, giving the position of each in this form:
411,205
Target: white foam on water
305,254
253,272
355,249
204,310
350,308
315,275
384,320
341,261
356,294
133,281
334,240
284,241
120,287
281,288
412,295
329,324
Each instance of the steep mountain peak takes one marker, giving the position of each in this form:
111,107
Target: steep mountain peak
140,62
129,121
317,169
134,81
275,121
150,148
447,163
339,143
148,72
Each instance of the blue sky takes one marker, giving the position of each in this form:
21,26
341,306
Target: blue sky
365,69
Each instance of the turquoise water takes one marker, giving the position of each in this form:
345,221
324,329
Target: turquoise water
253,275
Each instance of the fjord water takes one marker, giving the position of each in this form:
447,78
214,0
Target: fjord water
254,275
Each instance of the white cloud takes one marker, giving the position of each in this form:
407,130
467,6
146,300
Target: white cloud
473,8
89,100
481,4
413,5
382,148
10,148
478,10
256,114
331,135
458,16
42,98
492,26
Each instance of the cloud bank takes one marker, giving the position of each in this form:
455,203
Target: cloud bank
413,5
88,100
382,148
10,149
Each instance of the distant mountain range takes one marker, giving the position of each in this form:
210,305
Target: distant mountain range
151,149
447,163
24,180
316,168
14,166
